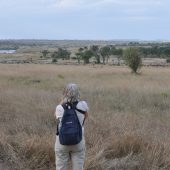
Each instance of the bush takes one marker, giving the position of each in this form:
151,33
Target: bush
168,60
54,60
132,59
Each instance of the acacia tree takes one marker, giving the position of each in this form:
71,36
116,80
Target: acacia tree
54,56
132,59
79,54
96,53
86,55
45,53
105,53
61,54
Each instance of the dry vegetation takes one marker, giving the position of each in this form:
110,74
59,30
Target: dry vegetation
128,126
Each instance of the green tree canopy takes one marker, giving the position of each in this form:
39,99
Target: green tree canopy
86,55
105,53
115,51
45,53
132,59
61,54
96,53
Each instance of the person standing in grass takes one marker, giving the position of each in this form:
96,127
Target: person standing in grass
73,148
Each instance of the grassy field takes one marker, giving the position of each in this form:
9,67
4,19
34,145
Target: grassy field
128,126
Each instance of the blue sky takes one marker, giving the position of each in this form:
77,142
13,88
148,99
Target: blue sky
85,19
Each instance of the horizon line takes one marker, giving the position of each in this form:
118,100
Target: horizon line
42,39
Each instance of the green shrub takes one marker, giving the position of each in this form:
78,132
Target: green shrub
168,60
132,59
54,60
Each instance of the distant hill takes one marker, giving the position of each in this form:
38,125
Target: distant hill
13,44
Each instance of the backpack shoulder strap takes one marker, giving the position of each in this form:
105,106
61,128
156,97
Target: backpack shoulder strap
64,105
81,111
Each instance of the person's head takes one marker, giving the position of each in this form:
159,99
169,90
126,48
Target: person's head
71,93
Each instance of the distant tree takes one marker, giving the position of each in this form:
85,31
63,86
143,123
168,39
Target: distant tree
45,53
54,60
117,52
132,59
81,49
155,51
79,54
168,60
165,51
85,47
54,56
105,53
61,54
143,51
86,55
96,53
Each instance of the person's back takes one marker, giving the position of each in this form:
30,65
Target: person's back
75,153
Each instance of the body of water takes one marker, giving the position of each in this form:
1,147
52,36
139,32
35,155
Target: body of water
7,51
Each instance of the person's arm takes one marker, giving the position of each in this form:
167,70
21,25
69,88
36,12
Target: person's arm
56,110
83,108
86,115
59,112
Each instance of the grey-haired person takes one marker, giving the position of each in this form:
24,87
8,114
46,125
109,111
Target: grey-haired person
71,153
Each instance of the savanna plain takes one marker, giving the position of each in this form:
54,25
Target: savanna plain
128,126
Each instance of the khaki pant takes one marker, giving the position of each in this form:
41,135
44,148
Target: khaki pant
75,153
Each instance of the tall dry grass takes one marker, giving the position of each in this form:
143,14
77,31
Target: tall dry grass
128,126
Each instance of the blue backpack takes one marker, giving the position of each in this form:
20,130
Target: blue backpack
70,131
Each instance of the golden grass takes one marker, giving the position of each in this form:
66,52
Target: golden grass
128,126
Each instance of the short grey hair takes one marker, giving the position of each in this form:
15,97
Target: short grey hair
71,93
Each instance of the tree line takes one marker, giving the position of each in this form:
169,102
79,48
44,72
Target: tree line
132,56
103,53
100,54
155,51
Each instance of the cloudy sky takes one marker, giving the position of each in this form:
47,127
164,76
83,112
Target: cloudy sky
85,19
